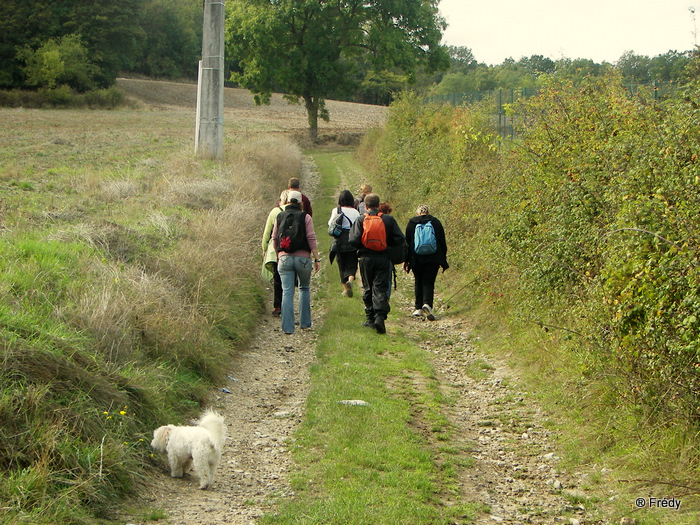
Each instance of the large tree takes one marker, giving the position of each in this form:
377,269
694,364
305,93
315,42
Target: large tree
304,48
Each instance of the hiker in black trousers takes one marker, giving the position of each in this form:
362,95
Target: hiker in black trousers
375,261
425,261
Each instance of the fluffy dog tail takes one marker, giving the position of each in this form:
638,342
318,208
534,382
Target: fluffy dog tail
214,423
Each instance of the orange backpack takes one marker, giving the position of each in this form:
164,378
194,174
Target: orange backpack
374,232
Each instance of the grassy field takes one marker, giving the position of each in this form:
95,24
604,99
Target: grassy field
122,256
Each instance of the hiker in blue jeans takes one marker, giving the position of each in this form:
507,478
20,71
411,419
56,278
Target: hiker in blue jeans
295,263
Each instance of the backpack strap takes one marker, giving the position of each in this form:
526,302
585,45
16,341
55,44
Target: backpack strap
341,212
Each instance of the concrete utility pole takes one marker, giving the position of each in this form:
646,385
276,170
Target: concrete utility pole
209,126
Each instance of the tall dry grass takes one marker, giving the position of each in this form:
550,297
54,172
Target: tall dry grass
131,267
207,225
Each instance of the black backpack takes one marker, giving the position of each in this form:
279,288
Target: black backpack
291,231
398,254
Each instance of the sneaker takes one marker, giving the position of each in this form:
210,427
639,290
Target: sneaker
428,312
417,313
277,311
349,289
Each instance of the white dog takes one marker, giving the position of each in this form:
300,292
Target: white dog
197,446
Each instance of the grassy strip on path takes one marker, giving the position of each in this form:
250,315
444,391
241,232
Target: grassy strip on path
362,464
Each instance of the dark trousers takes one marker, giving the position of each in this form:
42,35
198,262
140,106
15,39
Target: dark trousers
376,280
347,265
276,288
424,276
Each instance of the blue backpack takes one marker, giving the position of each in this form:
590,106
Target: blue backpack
424,240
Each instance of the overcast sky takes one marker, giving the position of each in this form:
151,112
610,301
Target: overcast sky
601,30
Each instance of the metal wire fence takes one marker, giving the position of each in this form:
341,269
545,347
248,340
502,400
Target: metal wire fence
500,98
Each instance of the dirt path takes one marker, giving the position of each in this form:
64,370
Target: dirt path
515,474
516,469
268,386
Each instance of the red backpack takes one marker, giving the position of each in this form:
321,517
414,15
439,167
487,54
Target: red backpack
374,232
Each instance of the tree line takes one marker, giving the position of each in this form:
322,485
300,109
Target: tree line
85,45
357,50
466,74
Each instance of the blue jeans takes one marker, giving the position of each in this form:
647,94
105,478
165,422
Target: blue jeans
288,267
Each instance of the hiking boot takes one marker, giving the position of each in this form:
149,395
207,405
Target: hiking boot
349,289
379,324
428,312
369,313
417,313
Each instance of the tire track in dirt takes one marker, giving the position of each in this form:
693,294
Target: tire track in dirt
516,471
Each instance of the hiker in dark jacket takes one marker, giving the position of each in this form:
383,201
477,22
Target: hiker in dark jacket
375,266
425,267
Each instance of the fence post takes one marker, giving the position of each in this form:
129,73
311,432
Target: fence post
500,113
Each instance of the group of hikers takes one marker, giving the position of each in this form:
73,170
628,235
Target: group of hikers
365,236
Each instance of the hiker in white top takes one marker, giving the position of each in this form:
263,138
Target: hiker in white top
341,248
